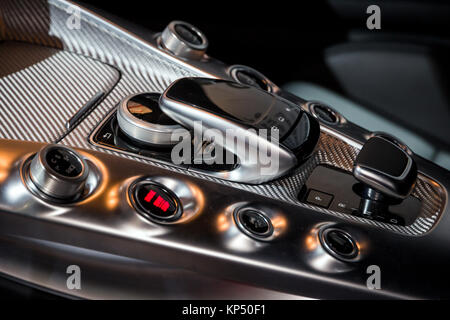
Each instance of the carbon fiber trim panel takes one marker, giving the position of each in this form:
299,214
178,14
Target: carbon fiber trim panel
42,88
144,68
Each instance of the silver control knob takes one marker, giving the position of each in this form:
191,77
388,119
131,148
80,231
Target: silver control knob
59,172
184,40
141,119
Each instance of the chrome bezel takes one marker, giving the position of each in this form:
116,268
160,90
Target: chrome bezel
256,235
50,182
234,69
189,198
143,131
312,109
136,203
171,41
351,257
91,184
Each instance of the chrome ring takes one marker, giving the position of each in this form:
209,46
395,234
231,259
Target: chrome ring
50,182
312,109
191,199
143,131
173,42
269,85
350,257
258,236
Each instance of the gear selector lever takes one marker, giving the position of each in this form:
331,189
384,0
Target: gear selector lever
387,174
224,107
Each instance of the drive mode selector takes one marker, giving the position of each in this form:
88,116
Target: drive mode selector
141,119
59,172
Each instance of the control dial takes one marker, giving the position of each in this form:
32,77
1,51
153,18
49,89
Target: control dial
141,119
251,77
184,40
59,172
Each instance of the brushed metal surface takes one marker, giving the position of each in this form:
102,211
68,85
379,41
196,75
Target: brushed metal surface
41,88
209,243
109,276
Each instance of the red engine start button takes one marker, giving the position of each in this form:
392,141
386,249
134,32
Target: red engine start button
156,201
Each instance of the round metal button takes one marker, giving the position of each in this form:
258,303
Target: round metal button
155,201
59,172
339,244
324,113
184,40
251,77
253,223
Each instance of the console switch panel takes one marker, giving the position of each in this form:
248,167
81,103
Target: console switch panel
340,188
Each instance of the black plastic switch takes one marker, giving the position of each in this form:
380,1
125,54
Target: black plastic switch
320,199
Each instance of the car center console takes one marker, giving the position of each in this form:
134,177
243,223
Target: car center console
107,195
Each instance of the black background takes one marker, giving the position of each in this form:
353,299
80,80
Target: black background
283,40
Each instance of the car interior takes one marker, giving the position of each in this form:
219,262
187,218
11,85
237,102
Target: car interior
224,151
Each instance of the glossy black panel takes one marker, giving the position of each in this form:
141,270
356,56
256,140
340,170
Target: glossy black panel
240,103
383,156
383,166
303,137
252,108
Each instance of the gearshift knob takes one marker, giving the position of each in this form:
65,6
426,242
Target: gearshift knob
385,167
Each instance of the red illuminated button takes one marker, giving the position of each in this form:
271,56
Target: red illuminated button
156,201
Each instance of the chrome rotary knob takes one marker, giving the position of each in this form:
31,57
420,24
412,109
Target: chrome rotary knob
141,119
59,172
184,40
